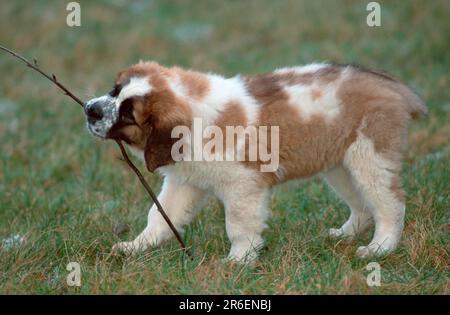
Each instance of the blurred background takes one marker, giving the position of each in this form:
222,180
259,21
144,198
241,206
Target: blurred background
64,190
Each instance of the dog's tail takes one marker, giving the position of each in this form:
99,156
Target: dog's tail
414,104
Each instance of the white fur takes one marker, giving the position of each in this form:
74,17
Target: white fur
138,86
312,67
360,218
327,105
178,88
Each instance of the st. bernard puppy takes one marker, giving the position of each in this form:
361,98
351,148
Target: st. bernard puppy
342,122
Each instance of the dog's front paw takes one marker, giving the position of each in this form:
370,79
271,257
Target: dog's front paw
335,233
126,248
372,250
243,255
341,233
240,261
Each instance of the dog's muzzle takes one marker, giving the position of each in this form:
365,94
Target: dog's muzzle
94,112
101,114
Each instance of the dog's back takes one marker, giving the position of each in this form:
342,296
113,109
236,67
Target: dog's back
322,109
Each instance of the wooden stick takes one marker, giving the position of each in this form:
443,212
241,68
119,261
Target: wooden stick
53,79
36,68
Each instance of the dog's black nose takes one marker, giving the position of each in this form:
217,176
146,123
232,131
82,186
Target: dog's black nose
94,112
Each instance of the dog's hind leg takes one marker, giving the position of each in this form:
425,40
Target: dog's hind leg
360,217
377,177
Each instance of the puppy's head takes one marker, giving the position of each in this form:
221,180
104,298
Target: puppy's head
141,110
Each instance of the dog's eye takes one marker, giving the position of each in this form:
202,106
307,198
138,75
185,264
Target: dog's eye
126,111
115,91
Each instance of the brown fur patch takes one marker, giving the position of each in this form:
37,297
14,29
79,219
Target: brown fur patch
294,78
134,136
142,69
233,115
316,94
328,74
196,83
265,88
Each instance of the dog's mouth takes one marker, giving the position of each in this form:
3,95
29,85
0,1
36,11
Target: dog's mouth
97,131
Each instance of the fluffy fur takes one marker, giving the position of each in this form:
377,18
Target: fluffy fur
344,123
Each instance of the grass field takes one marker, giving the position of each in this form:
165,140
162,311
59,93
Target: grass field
63,191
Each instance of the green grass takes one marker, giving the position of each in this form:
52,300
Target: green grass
64,190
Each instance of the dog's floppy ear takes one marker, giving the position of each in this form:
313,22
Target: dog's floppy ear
163,112
159,143
158,147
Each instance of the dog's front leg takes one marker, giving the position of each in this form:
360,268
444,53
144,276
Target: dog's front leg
245,215
179,202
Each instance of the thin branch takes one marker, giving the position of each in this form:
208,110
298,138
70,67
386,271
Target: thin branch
52,78
35,67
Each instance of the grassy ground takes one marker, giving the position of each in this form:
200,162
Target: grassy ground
63,190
